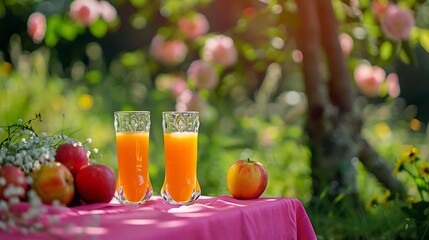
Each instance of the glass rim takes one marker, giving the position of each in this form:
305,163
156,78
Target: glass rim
129,111
178,112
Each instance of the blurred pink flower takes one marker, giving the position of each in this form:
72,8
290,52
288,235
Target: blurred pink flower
169,52
268,136
393,85
379,8
107,11
85,11
202,74
297,56
369,79
175,84
178,87
346,43
193,26
397,23
249,12
190,101
220,50
36,26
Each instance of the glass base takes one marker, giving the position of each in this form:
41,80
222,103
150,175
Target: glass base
120,196
194,196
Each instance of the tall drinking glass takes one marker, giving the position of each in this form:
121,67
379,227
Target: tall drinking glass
132,145
180,154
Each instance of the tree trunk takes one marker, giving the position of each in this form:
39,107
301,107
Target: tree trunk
333,124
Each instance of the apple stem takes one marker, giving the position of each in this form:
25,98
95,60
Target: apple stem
248,160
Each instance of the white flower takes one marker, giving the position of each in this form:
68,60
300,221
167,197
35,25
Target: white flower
23,231
3,226
11,223
37,225
56,203
12,200
53,219
3,205
29,179
2,181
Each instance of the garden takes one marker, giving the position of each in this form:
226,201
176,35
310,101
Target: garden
330,96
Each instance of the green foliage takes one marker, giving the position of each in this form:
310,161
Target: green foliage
256,111
339,220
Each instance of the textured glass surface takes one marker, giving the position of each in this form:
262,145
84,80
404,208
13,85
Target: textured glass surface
132,121
180,122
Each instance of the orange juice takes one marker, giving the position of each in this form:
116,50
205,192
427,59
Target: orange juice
133,164
180,153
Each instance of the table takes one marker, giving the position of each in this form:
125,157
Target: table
220,217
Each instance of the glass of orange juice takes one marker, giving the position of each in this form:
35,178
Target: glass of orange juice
180,155
132,145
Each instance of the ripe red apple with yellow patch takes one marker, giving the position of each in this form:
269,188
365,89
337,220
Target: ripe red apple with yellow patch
247,179
54,181
72,156
96,183
13,182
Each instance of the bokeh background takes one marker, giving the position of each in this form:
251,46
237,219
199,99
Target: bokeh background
236,62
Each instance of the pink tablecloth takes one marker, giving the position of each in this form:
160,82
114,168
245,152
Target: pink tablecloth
209,218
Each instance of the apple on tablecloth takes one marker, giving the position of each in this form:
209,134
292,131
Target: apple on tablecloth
247,179
96,183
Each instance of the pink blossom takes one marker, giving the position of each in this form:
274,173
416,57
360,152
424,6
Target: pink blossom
249,12
169,52
202,74
85,11
379,8
297,56
190,101
267,136
175,84
393,85
369,79
178,87
36,26
346,43
107,11
397,23
193,26
220,50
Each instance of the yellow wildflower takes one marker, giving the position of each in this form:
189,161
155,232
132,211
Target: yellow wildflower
399,166
386,197
423,169
411,155
373,202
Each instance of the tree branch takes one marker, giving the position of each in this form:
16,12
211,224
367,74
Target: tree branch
308,41
340,89
376,165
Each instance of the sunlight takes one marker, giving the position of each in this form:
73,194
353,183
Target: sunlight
172,224
140,221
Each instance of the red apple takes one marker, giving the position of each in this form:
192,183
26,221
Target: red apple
96,183
54,181
247,179
73,156
13,184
